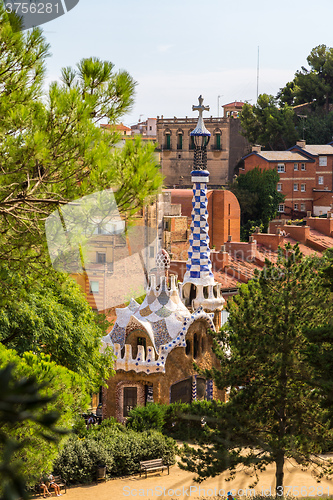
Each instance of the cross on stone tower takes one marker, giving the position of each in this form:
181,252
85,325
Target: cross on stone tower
201,107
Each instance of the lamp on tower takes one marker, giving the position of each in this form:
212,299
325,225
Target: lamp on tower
201,138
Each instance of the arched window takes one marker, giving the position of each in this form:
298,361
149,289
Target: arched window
188,348
191,140
167,142
217,137
196,346
179,139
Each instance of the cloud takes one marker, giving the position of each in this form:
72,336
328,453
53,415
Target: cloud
164,48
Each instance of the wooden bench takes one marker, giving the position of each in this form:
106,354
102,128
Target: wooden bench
58,480
153,465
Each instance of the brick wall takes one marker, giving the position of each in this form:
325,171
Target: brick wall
322,225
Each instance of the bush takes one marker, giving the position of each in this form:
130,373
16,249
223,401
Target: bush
79,459
120,451
144,418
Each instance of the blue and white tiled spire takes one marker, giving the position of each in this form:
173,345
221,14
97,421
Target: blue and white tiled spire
199,275
199,266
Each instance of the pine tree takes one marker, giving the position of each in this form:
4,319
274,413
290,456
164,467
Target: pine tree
273,412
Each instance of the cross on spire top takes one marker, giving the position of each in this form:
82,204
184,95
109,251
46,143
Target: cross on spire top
201,107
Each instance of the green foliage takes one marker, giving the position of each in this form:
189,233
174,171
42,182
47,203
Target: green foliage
79,459
20,402
62,392
319,128
266,124
258,198
53,317
52,150
144,418
314,85
120,451
273,412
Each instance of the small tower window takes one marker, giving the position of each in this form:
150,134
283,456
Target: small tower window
196,346
179,141
188,348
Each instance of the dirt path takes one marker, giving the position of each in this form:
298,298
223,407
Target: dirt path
180,485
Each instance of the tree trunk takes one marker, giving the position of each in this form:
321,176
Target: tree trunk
279,473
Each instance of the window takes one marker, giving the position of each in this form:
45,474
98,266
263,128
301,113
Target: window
94,287
295,187
295,166
191,145
167,141
295,206
141,341
281,167
218,141
323,161
303,188
179,141
281,208
303,166
279,187
321,179
101,258
303,208
130,399
188,348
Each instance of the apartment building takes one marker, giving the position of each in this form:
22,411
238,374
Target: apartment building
306,176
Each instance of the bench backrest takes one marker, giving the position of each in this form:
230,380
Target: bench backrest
58,480
152,463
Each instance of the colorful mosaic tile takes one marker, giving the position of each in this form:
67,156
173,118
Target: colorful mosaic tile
145,312
164,312
161,334
118,335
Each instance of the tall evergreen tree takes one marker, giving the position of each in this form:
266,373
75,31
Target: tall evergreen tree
313,85
52,149
273,412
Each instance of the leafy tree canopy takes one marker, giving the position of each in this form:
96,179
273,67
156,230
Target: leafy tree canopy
258,198
54,318
39,402
268,125
51,148
313,85
273,412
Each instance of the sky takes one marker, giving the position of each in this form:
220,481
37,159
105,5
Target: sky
179,49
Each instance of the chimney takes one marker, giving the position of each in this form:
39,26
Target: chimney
256,148
301,144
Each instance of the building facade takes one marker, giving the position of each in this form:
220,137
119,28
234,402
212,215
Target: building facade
226,148
306,176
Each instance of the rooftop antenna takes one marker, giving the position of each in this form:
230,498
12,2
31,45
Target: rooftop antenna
218,105
258,75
